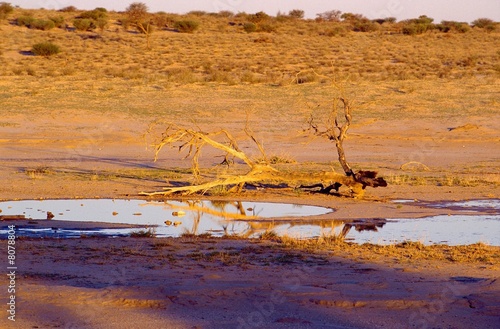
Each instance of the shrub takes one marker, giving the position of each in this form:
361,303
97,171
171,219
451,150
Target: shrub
58,21
452,26
186,26
414,28
94,14
258,17
484,23
45,49
197,13
42,24
364,25
84,24
490,28
225,13
24,20
125,23
418,25
249,27
101,23
462,27
5,9
68,9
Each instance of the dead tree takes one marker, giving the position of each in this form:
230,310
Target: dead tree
336,130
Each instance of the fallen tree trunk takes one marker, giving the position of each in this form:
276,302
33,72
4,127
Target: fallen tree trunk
266,174
195,140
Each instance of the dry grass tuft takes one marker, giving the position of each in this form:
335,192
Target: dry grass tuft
405,251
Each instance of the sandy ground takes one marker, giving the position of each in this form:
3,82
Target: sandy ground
214,283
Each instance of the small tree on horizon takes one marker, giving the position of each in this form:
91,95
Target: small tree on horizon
296,13
330,16
484,23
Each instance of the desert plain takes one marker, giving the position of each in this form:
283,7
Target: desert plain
82,124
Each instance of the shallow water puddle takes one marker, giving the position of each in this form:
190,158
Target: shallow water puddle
251,219
450,230
170,218
488,206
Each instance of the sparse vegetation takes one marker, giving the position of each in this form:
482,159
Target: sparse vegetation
5,9
393,60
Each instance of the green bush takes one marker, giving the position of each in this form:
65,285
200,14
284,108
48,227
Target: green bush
45,49
33,23
84,24
249,27
364,25
102,23
482,22
418,25
186,26
42,24
452,26
94,14
414,28
58,21
24,20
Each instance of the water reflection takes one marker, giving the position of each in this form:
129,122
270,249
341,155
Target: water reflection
194,217
248,220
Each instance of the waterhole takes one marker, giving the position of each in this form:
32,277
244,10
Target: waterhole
251,219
